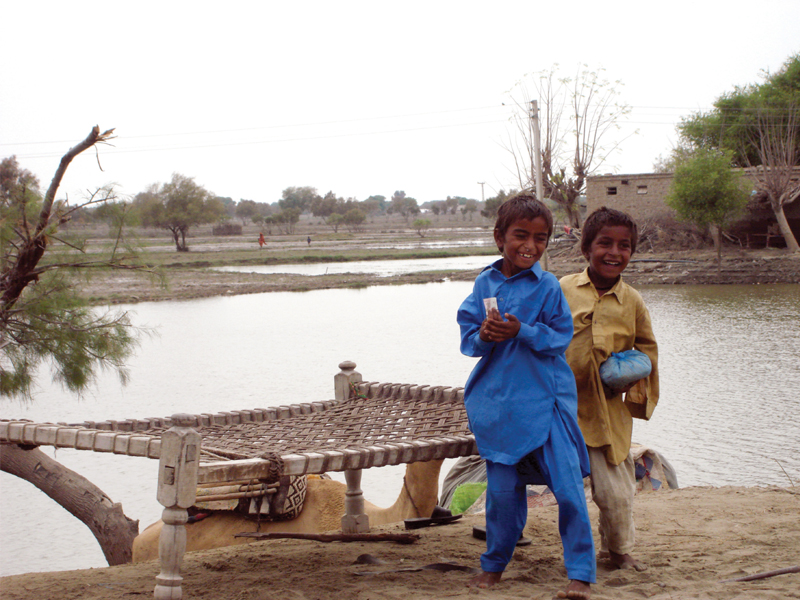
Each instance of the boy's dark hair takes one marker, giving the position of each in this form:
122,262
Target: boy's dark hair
604,217
522,206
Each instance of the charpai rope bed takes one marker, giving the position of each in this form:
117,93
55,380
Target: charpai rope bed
377,425
368,424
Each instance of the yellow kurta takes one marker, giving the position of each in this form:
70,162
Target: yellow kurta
614,322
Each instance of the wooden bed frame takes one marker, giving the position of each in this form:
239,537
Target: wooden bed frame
368,424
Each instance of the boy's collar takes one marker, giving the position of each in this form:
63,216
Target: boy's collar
536,269
616,289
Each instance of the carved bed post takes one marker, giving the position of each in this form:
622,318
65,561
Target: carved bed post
342,380
354,519
177,487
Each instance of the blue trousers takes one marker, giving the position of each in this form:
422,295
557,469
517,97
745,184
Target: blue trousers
507,507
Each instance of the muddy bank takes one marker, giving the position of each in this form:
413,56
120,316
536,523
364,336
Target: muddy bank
672,268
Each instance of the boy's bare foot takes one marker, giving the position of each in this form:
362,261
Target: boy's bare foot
577,590
626,561
485,580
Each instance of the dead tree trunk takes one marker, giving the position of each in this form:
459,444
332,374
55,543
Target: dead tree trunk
112,529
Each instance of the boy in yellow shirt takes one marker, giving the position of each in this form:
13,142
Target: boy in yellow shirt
610,316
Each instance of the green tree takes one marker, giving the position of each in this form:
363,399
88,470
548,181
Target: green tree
286,220
229,206
246,210
331,209
470,206
48,323
707,192
759,125
578,115
300,198
403,205
374,204
334,221
324,206
492,204
733,123
114,213
353,219
422,226
177,206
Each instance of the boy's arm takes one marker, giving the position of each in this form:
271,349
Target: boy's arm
642,398
470,317
551,334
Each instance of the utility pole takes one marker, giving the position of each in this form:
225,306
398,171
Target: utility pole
537,161
481,183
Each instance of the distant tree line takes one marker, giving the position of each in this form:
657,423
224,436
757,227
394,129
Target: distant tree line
182,203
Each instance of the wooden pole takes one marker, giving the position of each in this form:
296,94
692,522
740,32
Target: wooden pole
537,161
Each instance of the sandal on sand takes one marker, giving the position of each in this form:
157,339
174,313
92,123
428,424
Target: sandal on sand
440,516
480,534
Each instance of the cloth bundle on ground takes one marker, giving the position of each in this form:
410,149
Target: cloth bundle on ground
623,368
464,486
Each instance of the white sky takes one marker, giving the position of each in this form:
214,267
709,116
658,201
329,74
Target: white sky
359,97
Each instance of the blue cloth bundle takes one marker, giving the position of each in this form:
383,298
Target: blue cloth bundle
623,368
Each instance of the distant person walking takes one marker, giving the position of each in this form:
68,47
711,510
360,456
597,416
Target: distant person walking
309,240
261,240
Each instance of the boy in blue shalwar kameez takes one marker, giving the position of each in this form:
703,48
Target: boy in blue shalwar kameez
521,398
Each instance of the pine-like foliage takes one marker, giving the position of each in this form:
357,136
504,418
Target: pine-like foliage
42,318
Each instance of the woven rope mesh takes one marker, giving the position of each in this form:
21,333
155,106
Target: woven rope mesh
374,415
355,424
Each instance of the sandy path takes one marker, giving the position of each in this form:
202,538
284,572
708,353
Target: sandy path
691,538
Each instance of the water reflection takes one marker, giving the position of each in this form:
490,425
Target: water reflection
730,367
730,364
382,268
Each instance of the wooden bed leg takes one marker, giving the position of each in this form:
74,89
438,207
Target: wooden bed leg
177,487
354,519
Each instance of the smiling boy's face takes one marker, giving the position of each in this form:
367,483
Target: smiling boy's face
522,245
609,254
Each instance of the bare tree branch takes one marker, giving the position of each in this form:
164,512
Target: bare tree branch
22,272
578,115
775,139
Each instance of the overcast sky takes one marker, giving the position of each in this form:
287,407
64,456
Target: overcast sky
359,98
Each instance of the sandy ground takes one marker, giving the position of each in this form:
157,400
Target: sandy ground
692,540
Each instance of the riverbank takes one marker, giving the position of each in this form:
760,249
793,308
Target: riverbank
187,280
693,539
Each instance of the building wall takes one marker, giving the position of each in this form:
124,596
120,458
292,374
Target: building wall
642,195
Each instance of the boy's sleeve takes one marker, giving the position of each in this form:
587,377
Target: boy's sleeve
642,398
552,333
470,317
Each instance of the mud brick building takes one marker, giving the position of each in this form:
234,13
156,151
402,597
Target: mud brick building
643,196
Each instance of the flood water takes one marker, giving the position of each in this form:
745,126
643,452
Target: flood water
730,371
382,268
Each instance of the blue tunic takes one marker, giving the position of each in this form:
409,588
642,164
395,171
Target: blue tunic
520,385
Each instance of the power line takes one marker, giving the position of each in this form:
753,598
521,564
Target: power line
283,126
507,109
275,141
